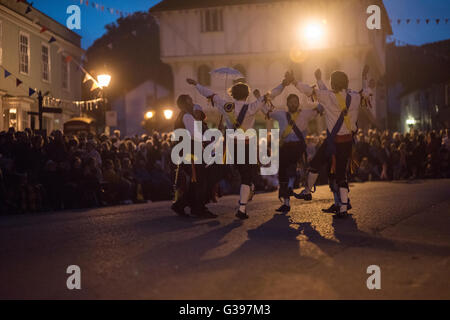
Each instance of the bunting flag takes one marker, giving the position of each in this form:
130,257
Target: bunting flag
101,7
52,39
55,102
43,29
68,59
419,20
28,9
94,85
87,78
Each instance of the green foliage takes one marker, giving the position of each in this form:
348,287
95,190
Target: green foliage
134,57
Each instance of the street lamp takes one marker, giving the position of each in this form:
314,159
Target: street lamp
312,34
410,121
168,114
149,115
103,80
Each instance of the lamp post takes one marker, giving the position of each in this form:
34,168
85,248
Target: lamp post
168,114
103,82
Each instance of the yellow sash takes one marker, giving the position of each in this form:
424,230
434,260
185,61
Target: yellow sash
229,110
343,105
287,131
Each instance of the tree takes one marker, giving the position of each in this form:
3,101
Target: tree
130,52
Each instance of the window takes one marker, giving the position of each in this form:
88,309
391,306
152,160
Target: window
298,71
1,38
331,66
64,73
447,94
212,20
204,77
241,69
45,63
24,53
24,120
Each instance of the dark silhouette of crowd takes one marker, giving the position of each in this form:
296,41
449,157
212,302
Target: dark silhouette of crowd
58,172
385,156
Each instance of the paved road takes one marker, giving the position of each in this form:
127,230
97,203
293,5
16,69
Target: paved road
145,252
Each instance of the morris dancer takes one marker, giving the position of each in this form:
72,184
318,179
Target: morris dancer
192,194
240,114
341,107
293,126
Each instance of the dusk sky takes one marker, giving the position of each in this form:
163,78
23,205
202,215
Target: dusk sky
94,21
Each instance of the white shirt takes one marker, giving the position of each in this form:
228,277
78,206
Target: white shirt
301,122
253,107
189,123
328,100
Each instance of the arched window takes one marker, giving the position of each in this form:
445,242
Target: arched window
241,69
298,71
330,66
204,76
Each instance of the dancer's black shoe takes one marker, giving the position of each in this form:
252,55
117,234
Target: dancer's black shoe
179,210
303,196
284,209
241,215
203,214
332,209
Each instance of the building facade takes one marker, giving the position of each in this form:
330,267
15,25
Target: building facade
26,53
265,38
135,104
426,109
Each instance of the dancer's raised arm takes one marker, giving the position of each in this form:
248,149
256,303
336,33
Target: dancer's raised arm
215,99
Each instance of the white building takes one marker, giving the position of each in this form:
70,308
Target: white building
132,108
264,38
27,54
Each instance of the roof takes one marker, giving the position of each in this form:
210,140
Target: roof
168,5
418,67
171,5
54,26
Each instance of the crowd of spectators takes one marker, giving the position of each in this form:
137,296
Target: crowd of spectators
57,172
382,155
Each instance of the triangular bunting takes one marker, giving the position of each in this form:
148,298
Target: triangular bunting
18,82
43,29
87,78
94,85
52,39
7,73
31,92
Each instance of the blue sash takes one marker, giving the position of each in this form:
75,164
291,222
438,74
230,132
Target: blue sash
331,146
241,117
